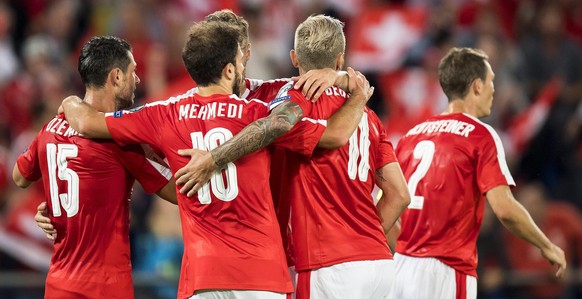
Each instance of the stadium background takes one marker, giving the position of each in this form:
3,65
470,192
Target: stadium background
534,48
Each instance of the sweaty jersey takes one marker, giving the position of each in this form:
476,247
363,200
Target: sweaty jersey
88,185
333,215
449,162
231,234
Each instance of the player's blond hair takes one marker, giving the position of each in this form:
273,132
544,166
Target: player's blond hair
318,41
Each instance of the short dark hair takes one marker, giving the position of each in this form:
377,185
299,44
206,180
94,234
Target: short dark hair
459,68
227,16
99,56
209,48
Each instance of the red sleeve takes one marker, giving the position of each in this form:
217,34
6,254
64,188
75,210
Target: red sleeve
28,163
286,94
385,152
303,138
140,125
492,170
147,167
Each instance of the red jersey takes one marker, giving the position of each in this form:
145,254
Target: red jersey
266,91
449,162
88,185
333,215
231,234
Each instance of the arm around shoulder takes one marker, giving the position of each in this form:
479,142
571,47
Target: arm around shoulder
85,119
342,124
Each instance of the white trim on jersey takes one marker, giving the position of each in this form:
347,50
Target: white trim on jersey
256,83
500,151
247,101
153,159
322,122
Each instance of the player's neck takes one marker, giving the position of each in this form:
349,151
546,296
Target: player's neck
100,100
461,106
222,87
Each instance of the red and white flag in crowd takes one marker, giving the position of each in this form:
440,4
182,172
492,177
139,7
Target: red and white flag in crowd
381,36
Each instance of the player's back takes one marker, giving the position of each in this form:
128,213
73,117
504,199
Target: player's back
449,162
333,215
231,234
87,191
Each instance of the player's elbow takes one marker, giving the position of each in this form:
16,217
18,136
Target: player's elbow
18,179
507,217
333,140
403,198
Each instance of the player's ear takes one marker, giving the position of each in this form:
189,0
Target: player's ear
339,61
293,56
115,76
229,71
247,52
476,86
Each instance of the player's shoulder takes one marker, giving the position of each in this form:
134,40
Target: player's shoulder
482,129
257,84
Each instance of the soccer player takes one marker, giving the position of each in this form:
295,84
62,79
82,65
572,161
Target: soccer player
452,162
88,183
313,84
231,235
340,248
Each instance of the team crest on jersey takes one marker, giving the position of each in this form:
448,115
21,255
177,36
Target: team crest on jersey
118,114
136,109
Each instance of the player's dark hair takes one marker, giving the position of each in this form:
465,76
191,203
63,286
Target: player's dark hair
459,68
99,56
227,16
209,48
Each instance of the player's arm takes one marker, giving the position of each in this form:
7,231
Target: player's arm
516,218
168,192
314,83
342,124
19,179
85,119
252,138
394,199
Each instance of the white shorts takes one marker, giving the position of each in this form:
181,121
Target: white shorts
429,278
237,294
360,279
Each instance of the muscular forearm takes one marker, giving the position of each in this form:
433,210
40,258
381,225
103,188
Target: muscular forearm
395,197
85,119
342,124
258,134
520,223
515,217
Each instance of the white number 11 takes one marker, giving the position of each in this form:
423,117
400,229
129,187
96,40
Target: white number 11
424,151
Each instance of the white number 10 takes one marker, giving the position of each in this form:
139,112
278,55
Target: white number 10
424,151
57,163
225,191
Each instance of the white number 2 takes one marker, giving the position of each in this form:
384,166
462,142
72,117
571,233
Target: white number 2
424,151
223,191
360,147
56,156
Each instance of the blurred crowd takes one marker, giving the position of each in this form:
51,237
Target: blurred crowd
534,46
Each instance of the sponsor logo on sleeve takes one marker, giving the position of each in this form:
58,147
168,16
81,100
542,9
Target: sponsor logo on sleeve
118,114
